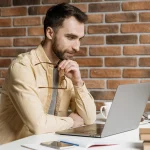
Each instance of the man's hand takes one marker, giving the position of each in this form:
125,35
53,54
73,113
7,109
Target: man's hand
78,121
71,70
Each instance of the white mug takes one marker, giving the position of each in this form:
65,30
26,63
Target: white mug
104,110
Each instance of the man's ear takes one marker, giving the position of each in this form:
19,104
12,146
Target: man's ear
49,33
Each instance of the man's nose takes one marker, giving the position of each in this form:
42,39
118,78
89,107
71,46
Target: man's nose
76,46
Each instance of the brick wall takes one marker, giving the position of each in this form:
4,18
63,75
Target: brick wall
115,49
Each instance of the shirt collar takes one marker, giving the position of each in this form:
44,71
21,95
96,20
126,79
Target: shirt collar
42,57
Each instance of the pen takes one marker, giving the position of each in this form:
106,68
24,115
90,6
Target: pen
70,143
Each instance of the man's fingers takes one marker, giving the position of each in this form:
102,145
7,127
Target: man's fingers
66,63
61,64
71,68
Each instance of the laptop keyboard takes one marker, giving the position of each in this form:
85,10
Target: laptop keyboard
93,129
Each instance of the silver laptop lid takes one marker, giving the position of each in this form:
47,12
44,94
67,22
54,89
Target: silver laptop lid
127,108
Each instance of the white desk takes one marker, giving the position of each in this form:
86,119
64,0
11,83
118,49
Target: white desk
128,140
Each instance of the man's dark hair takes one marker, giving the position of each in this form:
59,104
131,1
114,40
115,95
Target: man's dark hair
58,13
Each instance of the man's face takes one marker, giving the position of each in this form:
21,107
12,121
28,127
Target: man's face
66,41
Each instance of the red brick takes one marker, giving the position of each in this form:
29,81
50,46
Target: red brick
82,52
105,51
27,21
5,42
121,17
5,62
3,73
144,81
84,73
43,18
92,40
105,73
99,29
136,73
136,50
13,32
144,17
16,11
41,10
135,28
147,107
121,39
121,61
78,1
103,95
94,84
38,10
5,3
26,41
82,7
1,82
113,84
99,105
95,18
144,62
104,7
89,62
36,31
6,22
11,52
145,39
56,1
145,5
26,2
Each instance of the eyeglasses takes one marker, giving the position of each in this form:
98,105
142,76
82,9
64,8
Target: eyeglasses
63,79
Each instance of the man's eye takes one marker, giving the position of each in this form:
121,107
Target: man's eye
70,37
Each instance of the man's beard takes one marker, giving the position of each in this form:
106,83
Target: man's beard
60,54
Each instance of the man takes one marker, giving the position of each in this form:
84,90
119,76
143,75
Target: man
31,92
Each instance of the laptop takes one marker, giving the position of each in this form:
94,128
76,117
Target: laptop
125,113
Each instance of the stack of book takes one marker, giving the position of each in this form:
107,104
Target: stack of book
144,134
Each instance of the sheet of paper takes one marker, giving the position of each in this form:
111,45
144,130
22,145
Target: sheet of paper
40,147
36,147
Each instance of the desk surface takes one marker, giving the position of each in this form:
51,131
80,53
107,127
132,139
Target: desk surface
126,141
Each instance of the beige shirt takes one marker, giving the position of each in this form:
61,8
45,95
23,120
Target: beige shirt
24,105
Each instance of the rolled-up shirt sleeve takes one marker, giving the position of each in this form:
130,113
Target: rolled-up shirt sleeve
83,104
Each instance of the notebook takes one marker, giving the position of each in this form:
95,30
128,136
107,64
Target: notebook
124,115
